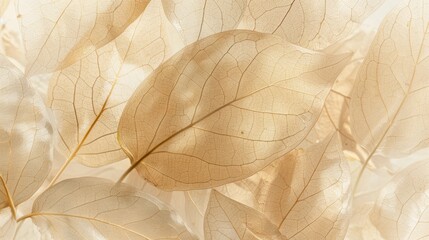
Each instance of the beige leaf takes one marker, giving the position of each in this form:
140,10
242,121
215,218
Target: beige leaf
10,37
401,211
7,224
336,116
389,109
224,108
190,205
57,33
228,219
308,23
196,19
95,208
305,193
88,97
25,138
3,6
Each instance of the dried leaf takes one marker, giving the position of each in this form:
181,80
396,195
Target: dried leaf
25,138
196,19
88,97
388,106
228,219
224,108
190,205
305,193
57,33
7,224
95,208
401,211
308,23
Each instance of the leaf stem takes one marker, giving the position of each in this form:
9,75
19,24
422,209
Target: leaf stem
25,217
9,197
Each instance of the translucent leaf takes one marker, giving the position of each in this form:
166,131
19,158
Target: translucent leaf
224,108
3,6
190,205
95,208
7,224
305,193
88,97
389,102
228,219
308,23
25,138
401,211
10,36
57,33
196,19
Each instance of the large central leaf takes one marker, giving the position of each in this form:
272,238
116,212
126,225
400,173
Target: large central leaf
224,108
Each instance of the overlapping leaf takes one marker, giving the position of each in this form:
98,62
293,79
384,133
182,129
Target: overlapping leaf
228,219
196,19
305,193
88,97
401,211
224,108
57,33
308,23
25,138
95,208
389,109
7,224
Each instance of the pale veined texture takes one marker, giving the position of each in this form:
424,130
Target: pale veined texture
196,19
190,205
88,97
389,109
305,193
228,219
308,23
7,224
57,33
224,108
401,211
96,208
25,138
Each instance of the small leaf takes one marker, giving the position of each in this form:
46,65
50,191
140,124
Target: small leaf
224,108
197,19
389,109
308,23
95,208
56,33
228,219
25,137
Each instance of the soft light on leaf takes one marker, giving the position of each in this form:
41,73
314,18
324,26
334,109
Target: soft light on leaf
25,137
401,211
389,109
228,219
197,19
224,108
56,33
88,97
7,224
308,23
305,193
95,208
